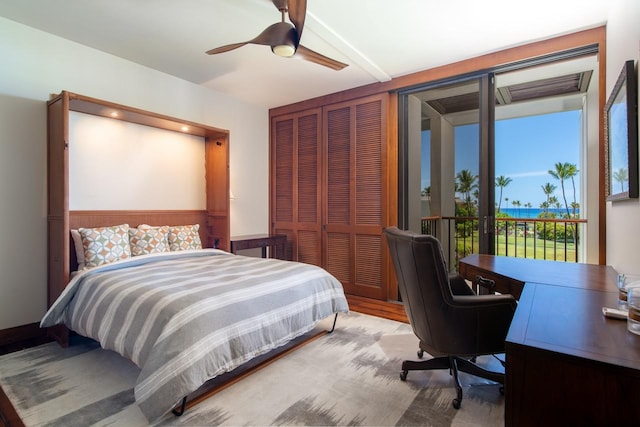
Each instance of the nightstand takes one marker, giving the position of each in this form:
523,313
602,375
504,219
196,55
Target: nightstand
275,241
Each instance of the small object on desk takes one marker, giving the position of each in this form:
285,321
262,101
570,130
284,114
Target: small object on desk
614,313
633,303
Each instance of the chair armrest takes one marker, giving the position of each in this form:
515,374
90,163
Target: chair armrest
488,284
459,285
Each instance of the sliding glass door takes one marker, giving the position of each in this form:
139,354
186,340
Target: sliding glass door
456,133
541,148
447,161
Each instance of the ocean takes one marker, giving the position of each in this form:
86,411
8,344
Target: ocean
533,212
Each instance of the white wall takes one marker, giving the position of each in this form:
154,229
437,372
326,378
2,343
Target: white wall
35,65
119,165
590,161
623,217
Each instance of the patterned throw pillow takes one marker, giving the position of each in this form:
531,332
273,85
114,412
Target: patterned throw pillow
148,240
184,237
103,245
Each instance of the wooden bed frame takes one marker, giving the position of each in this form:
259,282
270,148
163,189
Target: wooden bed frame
102,218
214,219
91,219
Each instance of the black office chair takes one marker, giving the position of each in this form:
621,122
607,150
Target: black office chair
453,324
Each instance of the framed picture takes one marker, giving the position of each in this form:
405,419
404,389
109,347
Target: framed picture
621,137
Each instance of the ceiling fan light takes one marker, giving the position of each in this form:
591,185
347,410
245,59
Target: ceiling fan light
284,50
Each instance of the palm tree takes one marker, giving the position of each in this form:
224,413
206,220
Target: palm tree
545,207
502,181
562,171
575,205
572,172
548,190
621,175
516,204
466,184
554,202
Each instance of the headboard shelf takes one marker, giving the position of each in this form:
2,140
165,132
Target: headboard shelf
98,218
111,110
214,220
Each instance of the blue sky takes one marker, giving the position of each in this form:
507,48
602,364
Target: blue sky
526,149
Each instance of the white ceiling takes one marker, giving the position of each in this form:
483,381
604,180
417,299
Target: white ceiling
379,39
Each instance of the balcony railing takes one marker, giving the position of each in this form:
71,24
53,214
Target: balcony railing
539,238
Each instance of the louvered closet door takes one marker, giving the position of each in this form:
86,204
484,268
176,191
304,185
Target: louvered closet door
296,196
355,195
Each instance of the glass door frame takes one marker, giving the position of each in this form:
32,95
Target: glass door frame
486,176
486,163
486,208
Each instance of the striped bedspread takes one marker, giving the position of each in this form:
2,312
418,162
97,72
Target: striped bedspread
186,317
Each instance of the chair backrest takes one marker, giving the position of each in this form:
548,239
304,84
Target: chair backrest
423,282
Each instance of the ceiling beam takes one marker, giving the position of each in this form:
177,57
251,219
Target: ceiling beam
354,56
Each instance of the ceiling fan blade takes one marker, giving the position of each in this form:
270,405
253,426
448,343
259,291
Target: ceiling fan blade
297,13
318,58
280,4
225,48
272,35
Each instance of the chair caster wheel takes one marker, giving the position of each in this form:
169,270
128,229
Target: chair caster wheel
420,353
456,403
403,375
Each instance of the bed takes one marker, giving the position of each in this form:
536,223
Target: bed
186,316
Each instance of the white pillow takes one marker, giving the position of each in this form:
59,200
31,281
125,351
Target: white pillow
77,243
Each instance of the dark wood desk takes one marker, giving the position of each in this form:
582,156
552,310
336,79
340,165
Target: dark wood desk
566,363
251,241
510,274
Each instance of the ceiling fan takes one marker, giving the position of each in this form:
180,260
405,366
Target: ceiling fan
284,38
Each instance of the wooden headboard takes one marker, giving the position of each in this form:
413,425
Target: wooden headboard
90,219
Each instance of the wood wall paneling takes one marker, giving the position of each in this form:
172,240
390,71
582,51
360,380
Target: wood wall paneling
355,194
295,177
328,189
391,190
217,188
57,196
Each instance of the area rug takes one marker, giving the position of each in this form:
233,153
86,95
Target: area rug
349,377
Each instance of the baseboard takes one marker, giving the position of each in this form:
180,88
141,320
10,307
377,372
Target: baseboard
392,310
21,337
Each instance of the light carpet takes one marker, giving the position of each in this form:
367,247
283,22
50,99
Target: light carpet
349,377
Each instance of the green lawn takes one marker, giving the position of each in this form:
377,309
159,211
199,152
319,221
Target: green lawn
515,246
540,249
